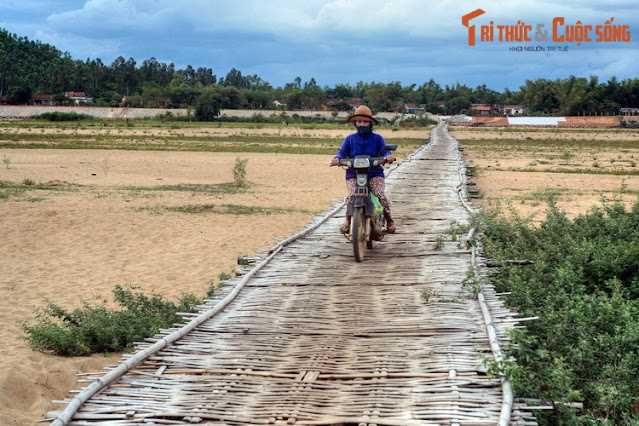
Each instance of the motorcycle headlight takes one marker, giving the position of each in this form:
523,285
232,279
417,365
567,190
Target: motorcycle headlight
361,163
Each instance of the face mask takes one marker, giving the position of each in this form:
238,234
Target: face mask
364,130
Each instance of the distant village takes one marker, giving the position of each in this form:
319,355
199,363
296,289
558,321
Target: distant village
478,110
66,99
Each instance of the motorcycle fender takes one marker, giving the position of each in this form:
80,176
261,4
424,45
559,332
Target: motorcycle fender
358,202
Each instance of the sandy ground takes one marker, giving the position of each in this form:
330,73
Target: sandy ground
518,176
74,245
290,131
555,134
575,194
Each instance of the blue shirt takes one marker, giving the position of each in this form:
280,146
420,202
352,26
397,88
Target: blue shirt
355,144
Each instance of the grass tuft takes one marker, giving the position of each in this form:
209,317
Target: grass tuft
230,209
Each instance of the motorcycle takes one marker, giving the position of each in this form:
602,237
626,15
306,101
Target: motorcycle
366,211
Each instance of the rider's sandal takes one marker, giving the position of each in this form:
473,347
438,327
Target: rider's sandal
390,227
345,228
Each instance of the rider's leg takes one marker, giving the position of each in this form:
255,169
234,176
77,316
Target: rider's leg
377,186
350,190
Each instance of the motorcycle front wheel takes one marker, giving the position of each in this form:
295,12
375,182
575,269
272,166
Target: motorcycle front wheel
358,234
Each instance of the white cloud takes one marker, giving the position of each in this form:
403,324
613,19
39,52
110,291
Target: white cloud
313,19
107,15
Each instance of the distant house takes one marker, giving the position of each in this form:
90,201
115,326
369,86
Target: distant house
512,110
346,104
628,111
337,105
483,109
43,99
79,98
354,102
414,109
278,104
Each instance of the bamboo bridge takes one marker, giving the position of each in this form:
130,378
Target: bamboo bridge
307,336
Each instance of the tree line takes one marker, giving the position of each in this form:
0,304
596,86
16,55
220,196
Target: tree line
29,68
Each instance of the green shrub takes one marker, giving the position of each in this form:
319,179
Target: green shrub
283,118
583,285
94,328
208,105
417,122
239,173
63,116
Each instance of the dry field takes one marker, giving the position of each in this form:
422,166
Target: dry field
322,139
336,132
159,213
579,168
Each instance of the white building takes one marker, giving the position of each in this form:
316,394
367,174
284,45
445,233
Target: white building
79,98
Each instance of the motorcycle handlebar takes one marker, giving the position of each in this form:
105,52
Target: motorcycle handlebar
376,161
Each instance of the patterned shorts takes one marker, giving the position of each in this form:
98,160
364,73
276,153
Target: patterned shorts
376,186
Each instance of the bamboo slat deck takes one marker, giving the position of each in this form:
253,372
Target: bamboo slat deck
314,338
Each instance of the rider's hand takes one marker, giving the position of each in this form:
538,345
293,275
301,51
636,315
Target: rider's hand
389,160
334,162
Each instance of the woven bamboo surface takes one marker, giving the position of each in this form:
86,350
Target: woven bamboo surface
315,338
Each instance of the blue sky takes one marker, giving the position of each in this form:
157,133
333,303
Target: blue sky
334,41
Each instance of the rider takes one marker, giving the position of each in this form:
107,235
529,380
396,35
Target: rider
365,142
